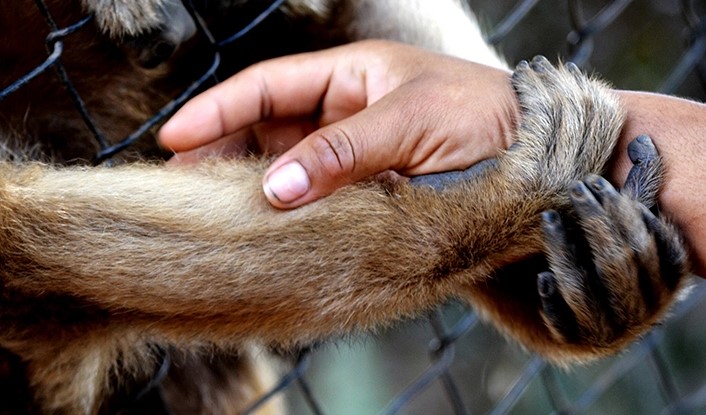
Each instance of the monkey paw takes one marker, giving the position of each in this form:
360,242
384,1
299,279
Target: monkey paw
568,125
615,266
152,28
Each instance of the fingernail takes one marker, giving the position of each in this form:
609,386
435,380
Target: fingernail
546,284
288,183
550,216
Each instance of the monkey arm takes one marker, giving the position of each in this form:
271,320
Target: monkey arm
199,254
94,275
197,245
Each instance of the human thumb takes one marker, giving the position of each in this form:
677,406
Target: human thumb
327,159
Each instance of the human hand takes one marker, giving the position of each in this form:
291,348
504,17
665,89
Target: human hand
347,113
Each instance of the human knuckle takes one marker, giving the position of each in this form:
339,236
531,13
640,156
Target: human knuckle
336,151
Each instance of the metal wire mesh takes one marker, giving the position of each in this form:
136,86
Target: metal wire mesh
466,367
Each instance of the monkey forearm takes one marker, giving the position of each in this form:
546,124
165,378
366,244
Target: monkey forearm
199,254
203,244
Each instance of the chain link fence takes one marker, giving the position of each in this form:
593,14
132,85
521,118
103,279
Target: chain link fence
450,362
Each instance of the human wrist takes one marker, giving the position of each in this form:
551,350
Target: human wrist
677,127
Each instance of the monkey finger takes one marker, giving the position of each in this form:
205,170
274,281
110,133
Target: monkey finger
574,70
623,251
540,64
557,314
608,258
550,75
571,276
618,210
642,150
592,216
673,258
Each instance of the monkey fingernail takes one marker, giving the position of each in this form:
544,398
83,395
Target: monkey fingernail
288,183
550,217
578,190
546,284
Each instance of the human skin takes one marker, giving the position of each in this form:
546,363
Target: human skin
677,127
333,107
327,111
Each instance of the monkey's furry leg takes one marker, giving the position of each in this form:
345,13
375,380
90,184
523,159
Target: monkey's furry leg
93,258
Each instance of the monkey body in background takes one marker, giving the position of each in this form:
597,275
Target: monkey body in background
108,69
446,26
100,266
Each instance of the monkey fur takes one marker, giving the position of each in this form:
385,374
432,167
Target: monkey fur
104,268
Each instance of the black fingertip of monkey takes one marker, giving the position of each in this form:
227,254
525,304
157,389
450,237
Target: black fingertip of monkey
596,182
578,191
550,217
540,60
553,229
546,284
641,149
600,187
540,64
644,139
573,70
522,65
555,309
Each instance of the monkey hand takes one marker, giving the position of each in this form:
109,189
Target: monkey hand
615,266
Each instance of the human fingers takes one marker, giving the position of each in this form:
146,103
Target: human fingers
427,125
274,137
329,85
292,86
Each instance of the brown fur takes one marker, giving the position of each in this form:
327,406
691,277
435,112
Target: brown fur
102,265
